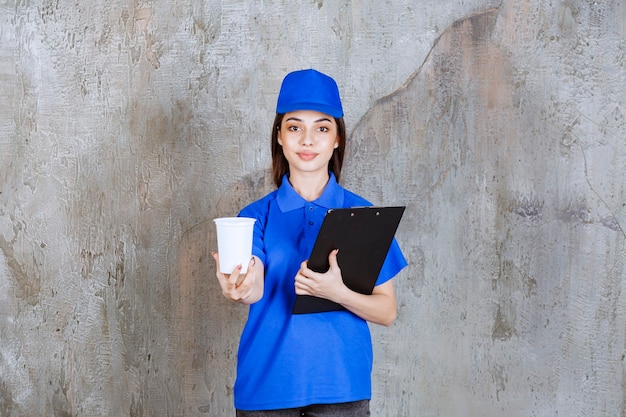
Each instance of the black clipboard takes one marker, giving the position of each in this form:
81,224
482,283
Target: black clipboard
363,236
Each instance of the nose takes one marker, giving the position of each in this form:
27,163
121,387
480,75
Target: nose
308,137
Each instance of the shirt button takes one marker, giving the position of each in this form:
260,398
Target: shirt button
310,208
311,222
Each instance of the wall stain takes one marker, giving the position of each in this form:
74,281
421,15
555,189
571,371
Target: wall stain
89,259
528,207
500,380
7,406
142,17
512,281
503,328
29,286
576,212
136,408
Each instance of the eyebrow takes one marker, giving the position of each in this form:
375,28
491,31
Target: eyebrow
323,119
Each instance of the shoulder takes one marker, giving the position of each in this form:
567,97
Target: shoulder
259,208
351,199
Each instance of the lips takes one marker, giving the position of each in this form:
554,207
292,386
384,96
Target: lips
307,156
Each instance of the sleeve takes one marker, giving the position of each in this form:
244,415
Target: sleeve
394,263
256,211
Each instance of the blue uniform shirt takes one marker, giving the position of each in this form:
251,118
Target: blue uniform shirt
286,360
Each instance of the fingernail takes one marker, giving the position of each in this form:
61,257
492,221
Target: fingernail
252,261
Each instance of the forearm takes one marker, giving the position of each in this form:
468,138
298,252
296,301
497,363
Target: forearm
379,307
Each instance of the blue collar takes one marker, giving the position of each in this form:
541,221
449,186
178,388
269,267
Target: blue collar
288,199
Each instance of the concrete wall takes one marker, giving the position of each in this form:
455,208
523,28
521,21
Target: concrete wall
125,127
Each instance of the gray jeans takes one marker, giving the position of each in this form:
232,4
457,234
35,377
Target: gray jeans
354,409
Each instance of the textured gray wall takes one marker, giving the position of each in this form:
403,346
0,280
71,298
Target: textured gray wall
125,127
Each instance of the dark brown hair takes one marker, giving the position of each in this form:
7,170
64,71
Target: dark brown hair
280,166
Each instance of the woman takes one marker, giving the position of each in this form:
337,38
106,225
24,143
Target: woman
310,364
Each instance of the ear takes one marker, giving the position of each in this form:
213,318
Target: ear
337,142
278,139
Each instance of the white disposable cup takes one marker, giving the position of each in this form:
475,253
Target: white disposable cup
234,242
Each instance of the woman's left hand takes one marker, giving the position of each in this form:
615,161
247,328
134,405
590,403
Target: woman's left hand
327,285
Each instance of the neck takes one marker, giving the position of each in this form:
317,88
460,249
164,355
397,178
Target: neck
310,187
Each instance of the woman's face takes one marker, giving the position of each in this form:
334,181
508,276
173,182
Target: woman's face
308,139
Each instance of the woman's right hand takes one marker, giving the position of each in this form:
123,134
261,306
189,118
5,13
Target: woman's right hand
242,288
